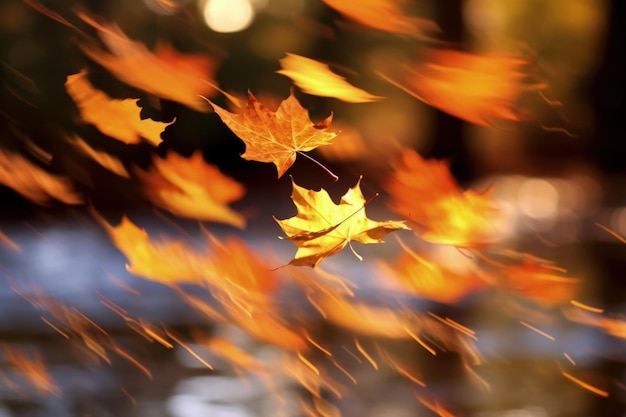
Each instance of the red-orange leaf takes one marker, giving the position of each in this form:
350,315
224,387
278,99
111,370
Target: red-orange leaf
425,193
276,136
166,73
119,119
192,188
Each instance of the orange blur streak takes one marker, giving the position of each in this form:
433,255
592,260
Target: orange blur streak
586,307
188,349
132,360
611,232
342,369
365,354
569,358
317,345
420,341
120,283
536,330
406,373
55,328
585,385
455,325
308,364
434,406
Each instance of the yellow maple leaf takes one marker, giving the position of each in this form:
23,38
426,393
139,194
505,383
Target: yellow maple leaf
276,136
119,119
322,228
192,188
316,78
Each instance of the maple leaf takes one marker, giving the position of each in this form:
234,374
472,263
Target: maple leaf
192,188
316,78
384,15
168,261
166,73
322,228
425,193
119,119
479,89
276,136
33,182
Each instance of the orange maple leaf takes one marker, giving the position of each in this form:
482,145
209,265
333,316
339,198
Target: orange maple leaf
192,188
479,89
33,182
316,78
384,15
322,228
425,193
276,136
119,119
166,73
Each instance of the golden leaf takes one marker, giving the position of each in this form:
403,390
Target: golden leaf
425,193
316,78
192,188
32,182
322,228
167,261
276,136
119,119
166,73
479,89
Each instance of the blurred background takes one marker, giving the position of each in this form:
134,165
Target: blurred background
556,178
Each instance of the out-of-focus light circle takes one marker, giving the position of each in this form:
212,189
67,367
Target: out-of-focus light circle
538,199
227,16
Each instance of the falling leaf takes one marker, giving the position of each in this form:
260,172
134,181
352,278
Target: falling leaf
316,78
426,194
432,280
479,89
166,73
322,228
192,188
537,279
384,15
119,119
167,261
32,182
104,159
276,136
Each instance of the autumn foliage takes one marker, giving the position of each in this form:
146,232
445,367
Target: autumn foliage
244,280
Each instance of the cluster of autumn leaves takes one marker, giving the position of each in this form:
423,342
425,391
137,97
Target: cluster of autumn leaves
480,89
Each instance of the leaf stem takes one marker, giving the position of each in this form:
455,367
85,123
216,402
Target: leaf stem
318,163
